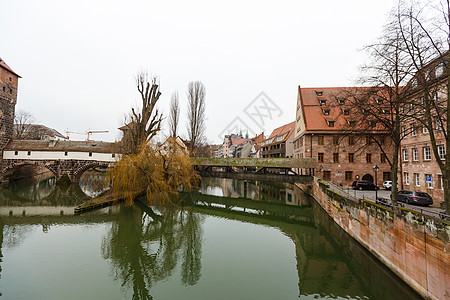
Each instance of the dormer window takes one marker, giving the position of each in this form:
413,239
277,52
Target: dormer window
385,111
379,101
372,123
439,70
351,123
330,123
326,111
323,101
319,93
341,101
346,111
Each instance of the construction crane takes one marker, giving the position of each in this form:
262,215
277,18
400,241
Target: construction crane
74,132
88,133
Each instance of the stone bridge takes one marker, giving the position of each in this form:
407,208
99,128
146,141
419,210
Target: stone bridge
261,169
71,158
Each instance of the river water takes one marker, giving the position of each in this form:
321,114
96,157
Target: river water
228,240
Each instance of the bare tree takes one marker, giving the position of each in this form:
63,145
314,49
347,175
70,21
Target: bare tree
196,113
381,102
141,126
425,32
23,121
174,114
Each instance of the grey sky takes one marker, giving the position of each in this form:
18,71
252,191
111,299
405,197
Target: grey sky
78,58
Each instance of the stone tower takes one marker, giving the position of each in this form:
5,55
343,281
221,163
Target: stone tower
8,98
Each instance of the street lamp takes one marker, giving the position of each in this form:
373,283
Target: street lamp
375,170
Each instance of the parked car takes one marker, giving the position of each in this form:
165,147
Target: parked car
387,185
364,185
414,197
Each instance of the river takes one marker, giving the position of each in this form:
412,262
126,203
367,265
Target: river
229,240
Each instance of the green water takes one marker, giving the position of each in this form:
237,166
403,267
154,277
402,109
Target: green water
229,240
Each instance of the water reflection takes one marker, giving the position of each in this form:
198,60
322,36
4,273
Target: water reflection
160,251
144,247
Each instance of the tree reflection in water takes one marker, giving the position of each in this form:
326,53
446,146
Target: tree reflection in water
144,247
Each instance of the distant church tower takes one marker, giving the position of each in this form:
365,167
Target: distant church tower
8,98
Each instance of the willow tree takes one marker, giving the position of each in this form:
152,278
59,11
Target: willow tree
155,171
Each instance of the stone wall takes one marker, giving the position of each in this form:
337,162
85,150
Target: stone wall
413,246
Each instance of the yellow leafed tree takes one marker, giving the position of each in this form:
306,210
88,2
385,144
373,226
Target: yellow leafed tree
155,171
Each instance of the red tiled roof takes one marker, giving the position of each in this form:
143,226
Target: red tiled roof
6,67
238,141
315,101
282,129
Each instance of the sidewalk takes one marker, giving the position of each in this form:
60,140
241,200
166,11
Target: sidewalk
385,197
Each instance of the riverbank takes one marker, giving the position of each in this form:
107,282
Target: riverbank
414,246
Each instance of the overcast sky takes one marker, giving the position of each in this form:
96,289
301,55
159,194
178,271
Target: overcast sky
78,58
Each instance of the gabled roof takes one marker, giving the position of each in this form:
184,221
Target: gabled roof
70,146
284,131
6,67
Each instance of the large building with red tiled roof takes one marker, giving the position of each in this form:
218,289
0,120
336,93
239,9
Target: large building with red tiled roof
326,130
280,142
8,97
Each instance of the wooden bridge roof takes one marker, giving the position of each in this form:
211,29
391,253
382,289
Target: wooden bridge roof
256,162
69,146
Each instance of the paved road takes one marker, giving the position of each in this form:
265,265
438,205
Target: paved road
370,195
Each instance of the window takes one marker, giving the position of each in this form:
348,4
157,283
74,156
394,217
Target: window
346,111
404,131
16,152
319,93
113,155
415,155
438,96
341,101
406,176
429,181
10,91
386,176
413,130
335,140
426,153
381,141
322,101
441,151
440,182
379,100
10,79
405,154
29,153
372,123
351,123
66,153
438,124
369,157
425,129
326,175
326,111
440,70
382,158
417,179
348,175
351,157
90,154
330,123
351,140
335,157
320,140
368,140
320,157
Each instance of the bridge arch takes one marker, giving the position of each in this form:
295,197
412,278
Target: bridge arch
9,169
78,172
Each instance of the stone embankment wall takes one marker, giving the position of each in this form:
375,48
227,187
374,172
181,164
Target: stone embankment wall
415,247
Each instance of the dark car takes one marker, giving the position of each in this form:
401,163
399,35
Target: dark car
414,197
364,185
